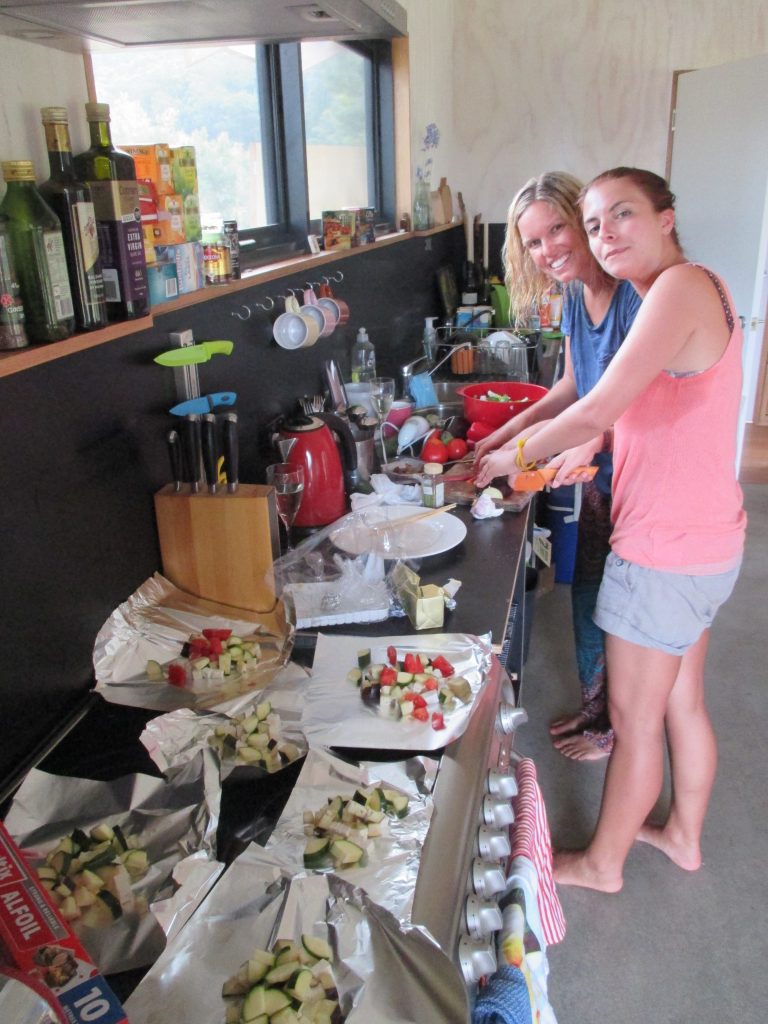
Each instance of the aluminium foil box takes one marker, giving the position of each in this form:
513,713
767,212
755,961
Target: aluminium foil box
36,940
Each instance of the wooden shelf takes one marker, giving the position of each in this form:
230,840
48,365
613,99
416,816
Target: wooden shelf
25,358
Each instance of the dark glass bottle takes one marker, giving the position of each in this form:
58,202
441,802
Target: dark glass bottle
71,201
38,254
12,332
111,176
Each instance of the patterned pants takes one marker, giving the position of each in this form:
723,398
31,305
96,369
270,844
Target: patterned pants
592,549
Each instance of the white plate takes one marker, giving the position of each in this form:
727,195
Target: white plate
357,533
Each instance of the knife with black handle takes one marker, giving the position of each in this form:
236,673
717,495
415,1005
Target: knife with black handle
209,451
231,451
192,450
174,450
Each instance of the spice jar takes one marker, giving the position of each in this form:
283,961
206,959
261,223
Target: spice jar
432,486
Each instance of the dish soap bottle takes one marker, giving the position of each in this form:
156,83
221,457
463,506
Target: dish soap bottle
363,358
429,340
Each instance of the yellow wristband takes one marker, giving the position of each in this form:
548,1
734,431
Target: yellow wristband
519,456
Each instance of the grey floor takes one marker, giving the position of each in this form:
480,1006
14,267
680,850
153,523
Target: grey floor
672,947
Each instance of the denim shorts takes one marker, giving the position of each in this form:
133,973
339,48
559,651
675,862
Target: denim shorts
665,610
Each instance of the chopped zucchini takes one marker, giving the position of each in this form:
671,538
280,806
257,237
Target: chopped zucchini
364,657
346,853
460,687
275,1000
316,852
316,947
254,1004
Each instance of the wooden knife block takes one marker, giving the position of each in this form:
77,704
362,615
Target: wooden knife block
221,546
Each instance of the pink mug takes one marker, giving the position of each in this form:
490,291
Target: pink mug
325,316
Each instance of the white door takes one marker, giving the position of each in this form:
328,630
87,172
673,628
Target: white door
720,177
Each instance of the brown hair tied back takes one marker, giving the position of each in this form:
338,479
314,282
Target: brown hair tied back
652,185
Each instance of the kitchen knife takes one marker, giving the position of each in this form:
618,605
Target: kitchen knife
174,450
231,453
206,403
537,479
189,354
192,453
209,451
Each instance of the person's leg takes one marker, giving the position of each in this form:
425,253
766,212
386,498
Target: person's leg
641,680
693,760
589,640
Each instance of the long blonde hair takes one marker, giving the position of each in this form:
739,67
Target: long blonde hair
524,281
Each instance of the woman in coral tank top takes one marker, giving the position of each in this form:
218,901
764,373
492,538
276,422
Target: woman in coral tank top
671,396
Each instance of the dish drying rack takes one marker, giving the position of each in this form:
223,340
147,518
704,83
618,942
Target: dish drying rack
492,357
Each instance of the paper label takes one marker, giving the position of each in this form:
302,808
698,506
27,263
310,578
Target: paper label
121,241
542,549
53,246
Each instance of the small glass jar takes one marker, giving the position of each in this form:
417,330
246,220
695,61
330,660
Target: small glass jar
432,486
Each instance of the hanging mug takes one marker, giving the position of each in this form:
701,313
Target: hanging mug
325,318
294,330
328,298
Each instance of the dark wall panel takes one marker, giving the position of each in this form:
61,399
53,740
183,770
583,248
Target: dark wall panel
83,452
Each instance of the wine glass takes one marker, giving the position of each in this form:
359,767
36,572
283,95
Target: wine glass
382,397
288,481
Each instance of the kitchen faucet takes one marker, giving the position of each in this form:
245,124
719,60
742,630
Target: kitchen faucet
406,371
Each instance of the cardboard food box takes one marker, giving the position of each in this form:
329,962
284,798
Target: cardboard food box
188,258
154,163
163,281
39,943
424,605
184,170
365,225
338,229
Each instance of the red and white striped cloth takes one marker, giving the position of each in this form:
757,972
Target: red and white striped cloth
530,838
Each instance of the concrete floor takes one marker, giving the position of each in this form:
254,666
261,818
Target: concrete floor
672,947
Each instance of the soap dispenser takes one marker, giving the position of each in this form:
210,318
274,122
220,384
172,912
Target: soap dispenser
363,358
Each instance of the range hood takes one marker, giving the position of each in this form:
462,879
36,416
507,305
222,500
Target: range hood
90,23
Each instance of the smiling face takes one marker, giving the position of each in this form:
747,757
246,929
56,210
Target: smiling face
556,246
629,237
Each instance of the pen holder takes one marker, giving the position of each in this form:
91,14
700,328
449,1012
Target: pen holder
221,546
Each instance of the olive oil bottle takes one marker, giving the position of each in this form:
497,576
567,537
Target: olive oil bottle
39,256
71,201
12,332
111,176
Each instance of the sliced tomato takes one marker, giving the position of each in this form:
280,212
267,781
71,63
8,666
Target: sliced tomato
392,655
387,676
217,634
418,701
215,644
412,663
443,666
177,674
408,696
421,714
431,683
438,720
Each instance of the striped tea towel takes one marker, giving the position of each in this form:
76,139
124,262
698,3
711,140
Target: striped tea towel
530,838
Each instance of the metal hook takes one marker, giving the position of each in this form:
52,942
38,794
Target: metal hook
271,303
293,290
240,315
338,277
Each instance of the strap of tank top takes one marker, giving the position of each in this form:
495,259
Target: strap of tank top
729,318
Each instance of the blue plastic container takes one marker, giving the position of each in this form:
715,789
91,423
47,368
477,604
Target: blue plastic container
562,521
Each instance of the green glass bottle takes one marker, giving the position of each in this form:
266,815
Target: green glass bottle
39,256
111,176
71,201
12,332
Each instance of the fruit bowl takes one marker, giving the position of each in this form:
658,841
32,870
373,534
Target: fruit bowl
495,413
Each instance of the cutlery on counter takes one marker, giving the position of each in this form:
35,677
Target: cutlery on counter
391,524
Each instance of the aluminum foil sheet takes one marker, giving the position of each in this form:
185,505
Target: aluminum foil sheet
386,972
335,716
172,819
154,623
389,876
175,738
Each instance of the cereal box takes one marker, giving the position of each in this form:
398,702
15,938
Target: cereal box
154,163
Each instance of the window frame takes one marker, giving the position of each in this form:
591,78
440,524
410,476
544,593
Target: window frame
278,69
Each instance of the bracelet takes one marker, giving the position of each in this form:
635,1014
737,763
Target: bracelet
519,457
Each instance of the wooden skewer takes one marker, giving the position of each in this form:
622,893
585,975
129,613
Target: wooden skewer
415,518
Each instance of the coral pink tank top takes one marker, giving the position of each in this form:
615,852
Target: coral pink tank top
677,505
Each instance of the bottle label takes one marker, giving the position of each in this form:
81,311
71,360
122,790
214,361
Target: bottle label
53,245
12,334
57,137
86,233
121,242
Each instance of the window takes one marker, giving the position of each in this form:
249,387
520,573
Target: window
281,132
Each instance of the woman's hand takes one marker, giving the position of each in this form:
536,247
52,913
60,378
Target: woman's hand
572,459
495,440
498,463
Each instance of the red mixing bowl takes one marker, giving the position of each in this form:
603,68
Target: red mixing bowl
495,413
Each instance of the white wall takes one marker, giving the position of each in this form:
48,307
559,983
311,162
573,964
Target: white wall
522,86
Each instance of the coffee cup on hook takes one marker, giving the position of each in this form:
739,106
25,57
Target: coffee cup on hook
325,317
293,329
326,296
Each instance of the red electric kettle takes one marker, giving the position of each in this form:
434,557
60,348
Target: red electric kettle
325,492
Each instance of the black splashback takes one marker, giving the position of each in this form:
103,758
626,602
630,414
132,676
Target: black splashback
83,452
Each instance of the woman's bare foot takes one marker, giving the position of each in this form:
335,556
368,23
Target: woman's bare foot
571,867
568,724
686,855
580,748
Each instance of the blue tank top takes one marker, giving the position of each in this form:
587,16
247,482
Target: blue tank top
592,348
